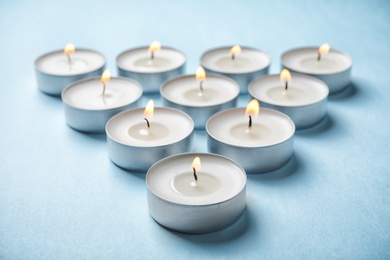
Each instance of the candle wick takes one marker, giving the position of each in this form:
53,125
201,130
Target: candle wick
195,176
69,59
147,122
152,55
250,121
233,56
104,88
319,56
201,86
286,86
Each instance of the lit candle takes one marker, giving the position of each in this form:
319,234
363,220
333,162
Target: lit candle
303,98
263,142
151,65
329,65
90,103
211,201
138,137
56,70
199,95
243,64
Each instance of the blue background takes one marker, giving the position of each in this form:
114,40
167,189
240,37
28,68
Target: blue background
61,196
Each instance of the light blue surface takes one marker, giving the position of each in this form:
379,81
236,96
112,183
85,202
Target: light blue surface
61,196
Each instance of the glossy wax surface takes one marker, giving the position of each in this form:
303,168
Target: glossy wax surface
62,197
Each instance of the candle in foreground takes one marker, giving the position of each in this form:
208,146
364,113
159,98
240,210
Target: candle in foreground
196,192
139,137
303,98
325,63
56,70
200,95
259,140
91,102
243,64
151,65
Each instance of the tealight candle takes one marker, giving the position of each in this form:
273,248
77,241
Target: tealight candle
198,96
243,64
138,137
303,98
56,70
90,103
262,144
329,65
151,66
206,195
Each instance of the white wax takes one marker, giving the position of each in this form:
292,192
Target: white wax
302,90
166,127
249,60
185,91
304,60
138,60
87,94
219,179
82,61
269,128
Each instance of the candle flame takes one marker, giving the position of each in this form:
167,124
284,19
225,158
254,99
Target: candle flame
285,75
253,108
154,46
149,110
200,74
324,48
235,50
105,77
69,48
196,163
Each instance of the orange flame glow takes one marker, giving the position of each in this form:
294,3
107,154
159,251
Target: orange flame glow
324,48
196,163
200,74
105,77
149,110
253,108
69,48
154,46
285,75
235,50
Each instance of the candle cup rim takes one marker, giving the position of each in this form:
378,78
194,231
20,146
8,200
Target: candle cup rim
213,75
315,48
97,78
154,146
303,76
68,75
252,147
241,170
228,47
145,47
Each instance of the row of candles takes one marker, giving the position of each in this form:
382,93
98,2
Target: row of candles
181,196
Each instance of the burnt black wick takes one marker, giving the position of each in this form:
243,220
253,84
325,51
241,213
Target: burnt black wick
195,176
147,122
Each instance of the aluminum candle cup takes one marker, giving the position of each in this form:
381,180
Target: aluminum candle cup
137,64
134,146
54,72
246,66
213,202
304,101
184,93
334,68
266,147
88,110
